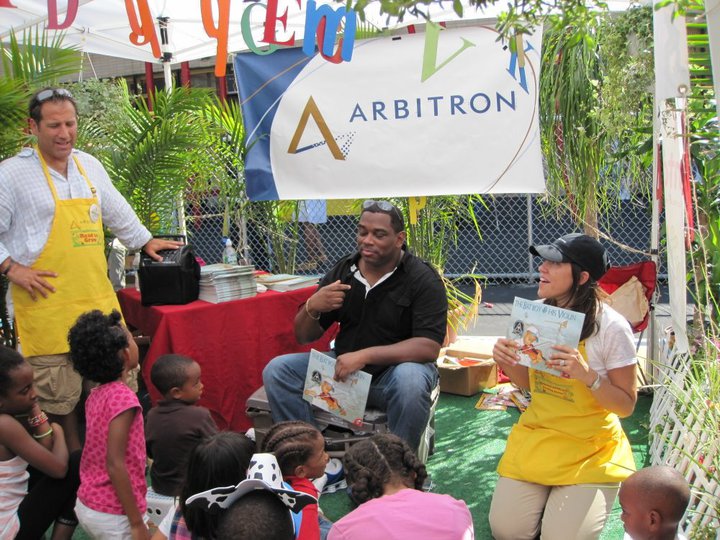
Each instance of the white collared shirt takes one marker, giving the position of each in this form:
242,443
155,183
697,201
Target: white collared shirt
358,275
27,206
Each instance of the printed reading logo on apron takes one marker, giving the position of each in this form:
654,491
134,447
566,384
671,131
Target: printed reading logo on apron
565,437
75,251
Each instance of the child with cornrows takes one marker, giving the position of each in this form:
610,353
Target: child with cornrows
111,500
300,451
385,478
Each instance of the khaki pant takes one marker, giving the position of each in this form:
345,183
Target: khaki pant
59,386
522,510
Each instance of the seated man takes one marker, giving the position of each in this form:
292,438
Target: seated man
392,311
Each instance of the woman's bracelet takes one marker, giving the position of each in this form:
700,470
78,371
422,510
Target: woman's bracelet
307,310
43,435
596,384
35,421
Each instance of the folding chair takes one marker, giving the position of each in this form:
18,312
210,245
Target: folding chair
646,274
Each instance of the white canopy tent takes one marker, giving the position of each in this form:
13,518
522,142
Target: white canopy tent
103,27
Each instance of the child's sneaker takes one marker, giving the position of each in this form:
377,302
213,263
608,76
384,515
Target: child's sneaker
335,475
320,483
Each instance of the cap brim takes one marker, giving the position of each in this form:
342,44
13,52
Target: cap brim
549,253
224,497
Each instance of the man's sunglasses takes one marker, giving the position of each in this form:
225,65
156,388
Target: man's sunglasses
50,93
382,205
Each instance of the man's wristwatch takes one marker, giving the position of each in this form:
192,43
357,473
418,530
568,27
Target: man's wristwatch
5,270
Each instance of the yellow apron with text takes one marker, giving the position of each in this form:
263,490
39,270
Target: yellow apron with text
565,437
75,251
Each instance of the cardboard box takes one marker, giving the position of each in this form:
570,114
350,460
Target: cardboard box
467,380
472,347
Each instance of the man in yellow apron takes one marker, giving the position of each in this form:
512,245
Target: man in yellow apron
54,202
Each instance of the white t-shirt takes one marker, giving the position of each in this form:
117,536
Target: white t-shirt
679,536
612,346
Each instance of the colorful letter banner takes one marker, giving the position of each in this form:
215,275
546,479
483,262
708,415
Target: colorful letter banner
437,113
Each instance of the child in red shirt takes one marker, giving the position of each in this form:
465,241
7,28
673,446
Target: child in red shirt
300,451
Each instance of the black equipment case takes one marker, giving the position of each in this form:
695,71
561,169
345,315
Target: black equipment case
174,280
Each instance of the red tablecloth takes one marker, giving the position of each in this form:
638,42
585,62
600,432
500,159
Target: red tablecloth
232,342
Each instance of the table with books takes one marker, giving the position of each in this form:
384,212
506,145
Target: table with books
232,341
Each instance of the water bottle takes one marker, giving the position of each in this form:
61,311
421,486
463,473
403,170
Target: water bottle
136,269
229,254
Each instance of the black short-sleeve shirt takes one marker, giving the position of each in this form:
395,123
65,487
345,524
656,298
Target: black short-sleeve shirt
411,303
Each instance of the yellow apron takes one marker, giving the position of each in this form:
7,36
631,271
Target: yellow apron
74,250
565,437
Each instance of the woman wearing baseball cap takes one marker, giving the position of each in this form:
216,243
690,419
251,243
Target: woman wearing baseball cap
566,456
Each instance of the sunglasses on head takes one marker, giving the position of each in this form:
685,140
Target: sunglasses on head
382,205
52,92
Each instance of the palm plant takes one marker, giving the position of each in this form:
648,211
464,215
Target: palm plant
37,63
224,178
153,153
430,234
277,223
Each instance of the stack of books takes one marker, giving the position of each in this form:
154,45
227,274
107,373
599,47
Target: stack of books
286,282
225,282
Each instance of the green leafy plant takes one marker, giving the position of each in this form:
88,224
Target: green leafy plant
432,229
595,110
153,153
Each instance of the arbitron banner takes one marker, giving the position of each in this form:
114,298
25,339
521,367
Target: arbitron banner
445,111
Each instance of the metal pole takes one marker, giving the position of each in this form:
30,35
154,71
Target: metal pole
167,72
166,53
528,198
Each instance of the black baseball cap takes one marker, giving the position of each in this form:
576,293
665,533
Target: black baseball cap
583,250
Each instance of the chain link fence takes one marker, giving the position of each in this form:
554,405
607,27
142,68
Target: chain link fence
309,236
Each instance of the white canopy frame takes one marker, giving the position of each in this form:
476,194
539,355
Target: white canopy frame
101,26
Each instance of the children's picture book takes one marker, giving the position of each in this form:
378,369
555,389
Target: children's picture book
346,399
491,402
286,282
502,396
536,327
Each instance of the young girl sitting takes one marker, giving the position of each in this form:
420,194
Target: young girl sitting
221,459
385,477
26,438
300,451
111,499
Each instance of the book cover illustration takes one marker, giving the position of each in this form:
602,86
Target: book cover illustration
346,399
502,396
536,327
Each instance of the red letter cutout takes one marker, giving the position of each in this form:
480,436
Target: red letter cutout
335,58
70,14
271,20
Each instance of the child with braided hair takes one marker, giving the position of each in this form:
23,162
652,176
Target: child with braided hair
385,478
300,451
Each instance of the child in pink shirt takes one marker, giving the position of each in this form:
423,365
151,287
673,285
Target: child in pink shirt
385,478
111,499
